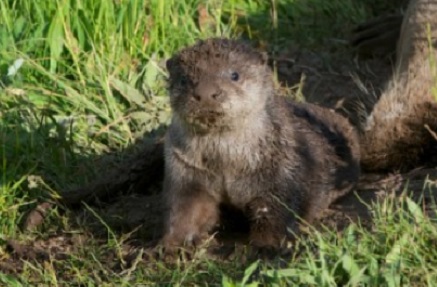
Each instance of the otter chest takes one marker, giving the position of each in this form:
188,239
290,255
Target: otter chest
227,172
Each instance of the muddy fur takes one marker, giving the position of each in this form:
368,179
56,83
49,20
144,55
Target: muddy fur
233,142
397,134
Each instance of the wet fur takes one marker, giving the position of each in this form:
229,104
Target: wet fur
236,143
395,134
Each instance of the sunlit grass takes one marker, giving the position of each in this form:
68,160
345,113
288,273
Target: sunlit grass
92,81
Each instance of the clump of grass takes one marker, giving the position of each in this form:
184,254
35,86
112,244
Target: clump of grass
397,251
97,58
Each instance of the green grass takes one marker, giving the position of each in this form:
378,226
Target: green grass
93,82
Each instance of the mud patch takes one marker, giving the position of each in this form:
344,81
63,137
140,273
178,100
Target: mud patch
351,86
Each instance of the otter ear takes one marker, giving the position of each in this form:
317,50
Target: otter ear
173,63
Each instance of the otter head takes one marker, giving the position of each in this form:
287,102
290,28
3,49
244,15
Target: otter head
218,84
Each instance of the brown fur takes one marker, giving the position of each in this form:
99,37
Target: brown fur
232,141
395,135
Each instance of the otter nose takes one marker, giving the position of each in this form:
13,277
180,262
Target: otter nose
207,92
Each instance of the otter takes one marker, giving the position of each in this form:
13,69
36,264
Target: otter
400,132
233,141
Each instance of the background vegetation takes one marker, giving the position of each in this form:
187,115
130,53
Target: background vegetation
81,79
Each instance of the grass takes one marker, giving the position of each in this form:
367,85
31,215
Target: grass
92,82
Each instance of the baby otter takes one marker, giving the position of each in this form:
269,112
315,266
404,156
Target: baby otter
233,141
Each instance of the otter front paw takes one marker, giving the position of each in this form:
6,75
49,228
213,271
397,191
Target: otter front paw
172,241
192,216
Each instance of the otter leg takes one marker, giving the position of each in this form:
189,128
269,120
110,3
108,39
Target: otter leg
193,213
271,223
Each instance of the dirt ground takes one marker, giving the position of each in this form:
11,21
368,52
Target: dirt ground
139,211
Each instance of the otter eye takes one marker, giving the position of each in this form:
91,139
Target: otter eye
235,76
